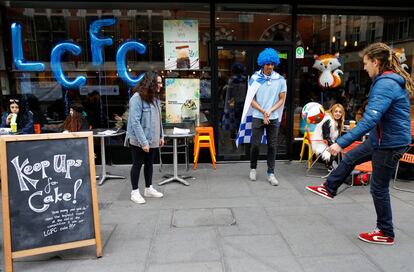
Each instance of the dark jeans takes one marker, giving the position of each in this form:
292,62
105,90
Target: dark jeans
140,157
384,162
258,128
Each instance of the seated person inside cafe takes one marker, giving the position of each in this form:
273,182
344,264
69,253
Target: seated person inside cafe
20,115
121,121
326,132
75,121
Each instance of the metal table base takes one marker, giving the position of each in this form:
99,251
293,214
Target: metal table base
175,177
104,176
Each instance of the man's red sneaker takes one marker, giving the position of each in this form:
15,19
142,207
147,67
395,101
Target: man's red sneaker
320,190
376,237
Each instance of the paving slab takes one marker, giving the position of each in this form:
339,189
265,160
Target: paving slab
223,222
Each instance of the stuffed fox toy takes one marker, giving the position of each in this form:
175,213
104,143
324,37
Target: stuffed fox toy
400,52
328,65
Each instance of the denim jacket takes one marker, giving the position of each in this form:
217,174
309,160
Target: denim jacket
139,126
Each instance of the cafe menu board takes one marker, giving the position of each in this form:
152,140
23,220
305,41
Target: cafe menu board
49,193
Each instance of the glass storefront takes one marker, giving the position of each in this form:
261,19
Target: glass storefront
347,35
230,36
235,65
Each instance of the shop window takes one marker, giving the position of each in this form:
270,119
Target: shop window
403,28
352,33
43,28
242,22
324,19
371,32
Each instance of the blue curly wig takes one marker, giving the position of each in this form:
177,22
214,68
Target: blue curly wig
268,55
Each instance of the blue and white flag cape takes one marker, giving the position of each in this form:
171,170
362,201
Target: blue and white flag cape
245,130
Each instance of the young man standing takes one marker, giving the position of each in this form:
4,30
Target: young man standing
264,101
387,119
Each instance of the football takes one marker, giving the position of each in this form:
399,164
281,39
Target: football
313,113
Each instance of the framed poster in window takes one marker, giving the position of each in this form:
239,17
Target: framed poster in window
181,50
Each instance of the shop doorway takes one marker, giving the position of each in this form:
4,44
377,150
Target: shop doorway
235,66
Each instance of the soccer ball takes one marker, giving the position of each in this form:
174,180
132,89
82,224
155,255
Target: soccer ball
313,113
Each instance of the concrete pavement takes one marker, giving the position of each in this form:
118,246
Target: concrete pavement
224,222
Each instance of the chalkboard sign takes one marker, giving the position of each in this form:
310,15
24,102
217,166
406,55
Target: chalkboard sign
49,194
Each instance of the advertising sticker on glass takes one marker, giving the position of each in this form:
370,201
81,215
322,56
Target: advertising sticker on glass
182,100
181,50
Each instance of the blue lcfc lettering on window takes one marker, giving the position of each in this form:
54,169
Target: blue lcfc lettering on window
97,44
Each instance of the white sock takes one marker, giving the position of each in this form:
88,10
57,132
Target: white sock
136,191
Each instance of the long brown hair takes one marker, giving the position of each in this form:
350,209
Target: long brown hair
74,123
388,62
340,121
147,87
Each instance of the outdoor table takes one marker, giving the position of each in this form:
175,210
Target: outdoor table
175,138
102,134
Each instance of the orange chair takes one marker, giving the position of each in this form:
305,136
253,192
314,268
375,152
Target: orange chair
351,146
412,129
365,167
204,141
204,131
408,158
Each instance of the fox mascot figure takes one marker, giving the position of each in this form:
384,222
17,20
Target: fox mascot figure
400,52
328,66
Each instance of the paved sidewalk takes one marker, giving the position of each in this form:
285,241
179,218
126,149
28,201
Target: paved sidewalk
224,222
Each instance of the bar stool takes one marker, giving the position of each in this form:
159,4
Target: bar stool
204,141
204,131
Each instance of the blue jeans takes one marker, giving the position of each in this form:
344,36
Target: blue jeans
384,162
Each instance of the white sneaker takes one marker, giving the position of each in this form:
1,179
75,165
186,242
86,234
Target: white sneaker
252,174
137,198
272,179
151,192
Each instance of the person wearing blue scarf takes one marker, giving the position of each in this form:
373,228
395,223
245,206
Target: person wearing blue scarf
267,93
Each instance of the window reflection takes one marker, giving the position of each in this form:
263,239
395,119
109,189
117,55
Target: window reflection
348,35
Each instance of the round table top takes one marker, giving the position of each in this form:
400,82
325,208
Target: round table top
169,134
101,132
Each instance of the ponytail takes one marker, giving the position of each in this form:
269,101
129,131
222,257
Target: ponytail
388,62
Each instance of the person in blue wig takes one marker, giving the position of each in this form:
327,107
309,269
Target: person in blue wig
263,106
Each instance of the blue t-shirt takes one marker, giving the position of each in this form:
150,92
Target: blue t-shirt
268,94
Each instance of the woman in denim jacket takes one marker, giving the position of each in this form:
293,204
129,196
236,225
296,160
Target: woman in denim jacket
145,133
